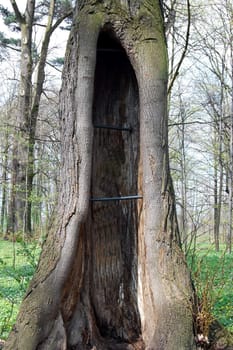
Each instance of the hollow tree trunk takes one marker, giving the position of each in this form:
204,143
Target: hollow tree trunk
111,274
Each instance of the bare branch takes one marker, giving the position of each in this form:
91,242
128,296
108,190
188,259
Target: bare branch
61,19
185,48
18,14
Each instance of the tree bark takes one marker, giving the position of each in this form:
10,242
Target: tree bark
18,220
112,274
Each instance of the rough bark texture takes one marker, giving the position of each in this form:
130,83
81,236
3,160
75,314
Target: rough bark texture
111,274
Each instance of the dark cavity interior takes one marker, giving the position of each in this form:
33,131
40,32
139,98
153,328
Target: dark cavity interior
114,224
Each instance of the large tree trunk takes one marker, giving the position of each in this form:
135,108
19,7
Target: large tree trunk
111,274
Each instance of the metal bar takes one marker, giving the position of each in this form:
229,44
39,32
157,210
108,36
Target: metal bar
110,50
127,128
122,198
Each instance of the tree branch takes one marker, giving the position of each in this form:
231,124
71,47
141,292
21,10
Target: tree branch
16,11
185,48
197,122
60,20
12,48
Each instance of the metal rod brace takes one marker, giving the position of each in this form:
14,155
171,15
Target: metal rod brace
122,198
110,50
127,128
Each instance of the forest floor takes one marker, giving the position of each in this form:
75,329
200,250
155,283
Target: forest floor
212,273
17,265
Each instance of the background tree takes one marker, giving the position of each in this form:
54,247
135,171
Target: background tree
112,274
206,87
33,64
216,88
7,122
46,159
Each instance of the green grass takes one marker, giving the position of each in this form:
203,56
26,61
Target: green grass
212,272
213,276
17,265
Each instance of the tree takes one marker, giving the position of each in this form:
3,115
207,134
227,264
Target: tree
177,39
46,154
30,91
230,169
216,88
112,274
4,164
7,118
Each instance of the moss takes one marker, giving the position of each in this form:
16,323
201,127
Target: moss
143,31
91,21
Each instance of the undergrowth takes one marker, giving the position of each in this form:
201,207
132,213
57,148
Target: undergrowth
18,261
212,274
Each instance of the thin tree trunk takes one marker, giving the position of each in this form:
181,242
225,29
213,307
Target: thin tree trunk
111,274
230,205
4,182
19,222
230,196
216,204
218,186
11,204
184,221
219,205
219,160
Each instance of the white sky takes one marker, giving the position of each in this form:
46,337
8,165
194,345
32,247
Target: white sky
9,68
59,38
21,4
